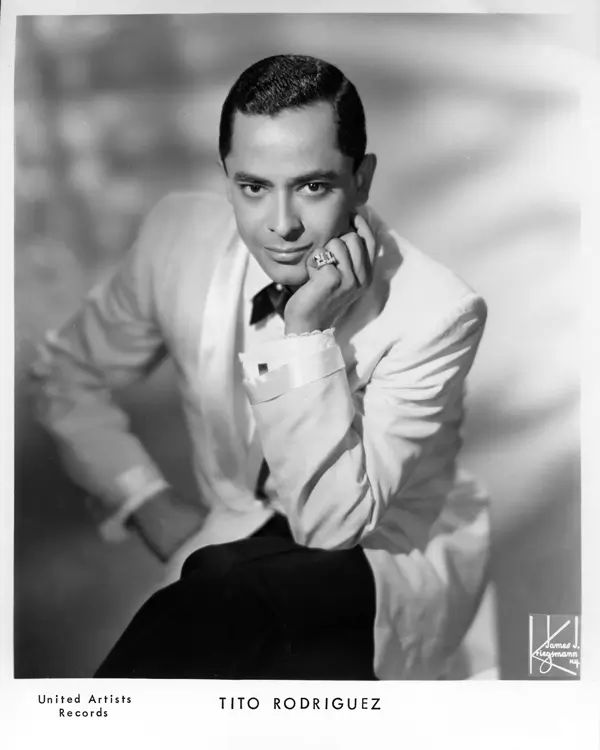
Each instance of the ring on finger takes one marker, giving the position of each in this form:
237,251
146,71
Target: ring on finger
324,258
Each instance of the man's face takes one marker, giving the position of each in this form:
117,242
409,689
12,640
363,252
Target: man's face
291,188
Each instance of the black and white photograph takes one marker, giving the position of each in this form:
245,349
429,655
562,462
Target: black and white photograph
297,350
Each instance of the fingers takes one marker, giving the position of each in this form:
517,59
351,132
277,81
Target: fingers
364,231
327,273
359,257
345,265
354,253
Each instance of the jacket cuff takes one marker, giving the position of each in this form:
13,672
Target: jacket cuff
138,488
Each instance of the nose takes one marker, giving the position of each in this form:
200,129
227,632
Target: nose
285,220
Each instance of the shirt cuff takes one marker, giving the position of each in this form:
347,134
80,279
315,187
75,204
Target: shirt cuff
138,488
284,351
291,362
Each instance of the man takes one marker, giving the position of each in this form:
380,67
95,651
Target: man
340,542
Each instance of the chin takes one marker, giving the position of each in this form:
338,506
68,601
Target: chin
293,276
289,274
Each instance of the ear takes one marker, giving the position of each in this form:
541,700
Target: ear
364,178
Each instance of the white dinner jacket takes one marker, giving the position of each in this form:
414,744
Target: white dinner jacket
361,440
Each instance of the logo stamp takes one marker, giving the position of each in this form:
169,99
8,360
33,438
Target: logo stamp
554,646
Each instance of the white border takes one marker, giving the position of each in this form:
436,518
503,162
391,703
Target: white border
490,715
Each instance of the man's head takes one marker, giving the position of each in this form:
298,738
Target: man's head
292,143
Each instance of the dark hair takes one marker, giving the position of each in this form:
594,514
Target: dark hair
291,81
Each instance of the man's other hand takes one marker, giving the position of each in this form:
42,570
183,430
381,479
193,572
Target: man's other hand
332,288
165,522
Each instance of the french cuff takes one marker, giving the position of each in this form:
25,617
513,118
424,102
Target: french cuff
272,355
273,383
138,486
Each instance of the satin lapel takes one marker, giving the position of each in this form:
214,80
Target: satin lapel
220,375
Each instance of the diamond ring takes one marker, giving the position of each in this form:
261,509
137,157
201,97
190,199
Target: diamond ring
324,258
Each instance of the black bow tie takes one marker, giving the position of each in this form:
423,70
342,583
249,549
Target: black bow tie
272,299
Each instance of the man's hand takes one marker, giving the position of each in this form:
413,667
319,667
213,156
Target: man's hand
164,522
332,288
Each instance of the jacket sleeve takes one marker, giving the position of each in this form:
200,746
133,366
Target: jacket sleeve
339,460
111,341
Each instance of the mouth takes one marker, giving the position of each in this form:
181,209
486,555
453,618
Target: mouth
288,255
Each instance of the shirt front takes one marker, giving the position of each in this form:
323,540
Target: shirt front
265,343
255,337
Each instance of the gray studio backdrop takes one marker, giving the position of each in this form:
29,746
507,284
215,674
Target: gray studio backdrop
474,120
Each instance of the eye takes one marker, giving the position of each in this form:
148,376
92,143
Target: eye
315,188
252,188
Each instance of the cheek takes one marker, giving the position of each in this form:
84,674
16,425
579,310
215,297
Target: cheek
245,218
334,218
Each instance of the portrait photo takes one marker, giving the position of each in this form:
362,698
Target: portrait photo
296,347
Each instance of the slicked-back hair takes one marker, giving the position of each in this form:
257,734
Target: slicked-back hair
285,82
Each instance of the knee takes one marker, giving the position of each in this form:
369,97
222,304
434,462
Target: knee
218,560
243,577
212,562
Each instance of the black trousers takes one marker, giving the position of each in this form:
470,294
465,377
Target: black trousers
258,608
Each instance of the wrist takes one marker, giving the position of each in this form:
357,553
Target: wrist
300,326
155,506
165,522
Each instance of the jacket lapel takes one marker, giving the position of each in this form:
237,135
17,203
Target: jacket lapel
220,376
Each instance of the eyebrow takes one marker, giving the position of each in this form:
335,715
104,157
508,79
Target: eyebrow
314,176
